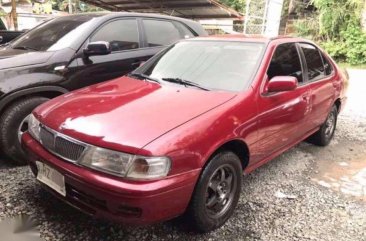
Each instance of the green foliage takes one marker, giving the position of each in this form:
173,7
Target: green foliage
2,13
77,6
238,5
307,28
355,45
337,25
336,16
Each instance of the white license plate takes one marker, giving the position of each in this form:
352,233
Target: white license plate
51,178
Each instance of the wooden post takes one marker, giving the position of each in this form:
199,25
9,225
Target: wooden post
14,14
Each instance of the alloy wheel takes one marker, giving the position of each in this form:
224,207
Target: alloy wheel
330,125
220,191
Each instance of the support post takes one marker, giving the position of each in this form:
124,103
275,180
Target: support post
70,7
14,14
247,17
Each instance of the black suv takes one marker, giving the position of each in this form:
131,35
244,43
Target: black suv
71,52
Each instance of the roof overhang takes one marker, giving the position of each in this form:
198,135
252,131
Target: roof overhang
193,9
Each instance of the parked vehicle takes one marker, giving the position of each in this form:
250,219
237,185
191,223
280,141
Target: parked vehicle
7,35
71,52
177,134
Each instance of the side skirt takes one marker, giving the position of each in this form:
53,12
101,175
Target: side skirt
254,166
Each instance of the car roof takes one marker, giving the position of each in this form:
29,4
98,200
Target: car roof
121,14
105,16
250,38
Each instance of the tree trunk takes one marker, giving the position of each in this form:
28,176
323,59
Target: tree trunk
14,14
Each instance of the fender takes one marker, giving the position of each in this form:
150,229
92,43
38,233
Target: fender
34,90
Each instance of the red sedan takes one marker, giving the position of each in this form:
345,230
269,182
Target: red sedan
176,135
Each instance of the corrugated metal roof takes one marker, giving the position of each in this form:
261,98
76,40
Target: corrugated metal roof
193,9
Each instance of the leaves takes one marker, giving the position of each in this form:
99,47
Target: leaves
77,6
238,5
337,25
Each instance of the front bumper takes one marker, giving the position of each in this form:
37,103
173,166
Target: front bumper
108,197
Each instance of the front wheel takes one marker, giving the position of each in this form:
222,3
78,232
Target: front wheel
217,192
326,132
13,123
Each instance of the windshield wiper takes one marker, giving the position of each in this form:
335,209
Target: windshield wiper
145,77
184,82
25,48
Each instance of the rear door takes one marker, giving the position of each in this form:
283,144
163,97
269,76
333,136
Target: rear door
319,77
124,36
282,114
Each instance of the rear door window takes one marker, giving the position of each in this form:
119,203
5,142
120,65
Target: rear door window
285,62
162,33
314,62
121,34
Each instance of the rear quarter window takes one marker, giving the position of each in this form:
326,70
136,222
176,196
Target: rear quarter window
327,65
314,62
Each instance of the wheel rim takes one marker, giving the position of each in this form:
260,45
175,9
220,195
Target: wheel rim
220,191
329,125
23,127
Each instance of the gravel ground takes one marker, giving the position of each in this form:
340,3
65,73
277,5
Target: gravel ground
326,190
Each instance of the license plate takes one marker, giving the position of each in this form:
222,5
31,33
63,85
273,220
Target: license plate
51,178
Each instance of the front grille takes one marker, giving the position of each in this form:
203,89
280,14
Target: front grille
68,149
47,138
61,146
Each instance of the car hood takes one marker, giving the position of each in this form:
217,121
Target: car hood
12,58
126,114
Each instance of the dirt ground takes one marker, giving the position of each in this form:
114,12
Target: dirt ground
308,193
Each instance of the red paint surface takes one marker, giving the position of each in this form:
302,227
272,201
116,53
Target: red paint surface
186,124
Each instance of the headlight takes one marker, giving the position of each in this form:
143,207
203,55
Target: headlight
33,126
149,167
125,165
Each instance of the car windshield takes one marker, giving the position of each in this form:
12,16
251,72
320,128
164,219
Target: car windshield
55,34
210,65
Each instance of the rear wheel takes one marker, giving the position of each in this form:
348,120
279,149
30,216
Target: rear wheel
13,123
326,132
217,192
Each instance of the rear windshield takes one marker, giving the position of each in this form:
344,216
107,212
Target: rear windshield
215,65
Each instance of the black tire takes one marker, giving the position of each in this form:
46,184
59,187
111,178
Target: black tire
200,212
10,122
326,132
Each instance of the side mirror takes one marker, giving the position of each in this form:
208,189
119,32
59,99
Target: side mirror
1,39
97,48
282,83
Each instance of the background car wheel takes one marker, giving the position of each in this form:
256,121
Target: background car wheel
326,132
13,123
217,192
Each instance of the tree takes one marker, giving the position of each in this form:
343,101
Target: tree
238,5
337,25
77,6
